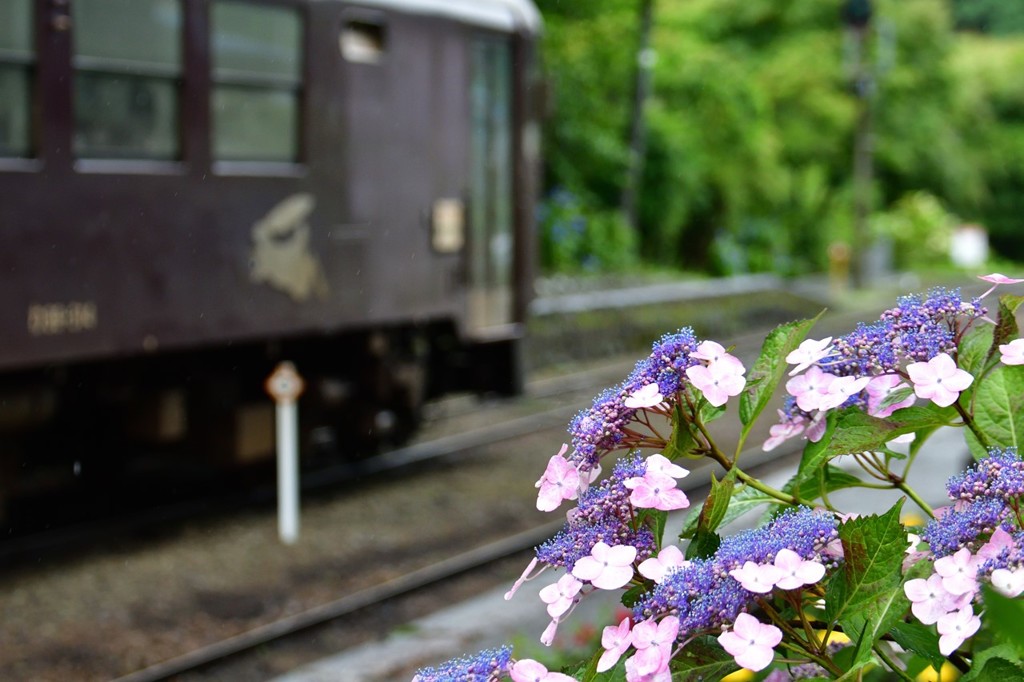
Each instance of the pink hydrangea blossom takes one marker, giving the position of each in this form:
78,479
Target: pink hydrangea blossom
560,596
816,429
880,388
615,639
528,670
996,279
718,381
759,578
648,396
796,571
663,465
668,559
1012,353
714,352
608,568
808,353
999,278
997,542
840,390
750,642
929,599
656,491
561,481
783,431
653,642
547,637
959,572
810,388
954,628
939,379
1008,583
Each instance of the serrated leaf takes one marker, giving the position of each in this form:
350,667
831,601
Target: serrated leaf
741,501
681,444
857,431
1005,664
709,413
999,406
704,544
766,373
827,480
975,349
816,454
1006,322
631,596
700,661
1004,616
866,595
655,520
920,639
717,502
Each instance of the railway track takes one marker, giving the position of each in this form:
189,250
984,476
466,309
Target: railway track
409,527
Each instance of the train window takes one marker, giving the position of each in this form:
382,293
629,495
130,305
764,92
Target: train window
257,81
16,60
363,41
128,67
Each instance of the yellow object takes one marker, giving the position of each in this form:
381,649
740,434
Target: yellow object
739,676
947,674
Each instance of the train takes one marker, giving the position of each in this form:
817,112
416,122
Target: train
192,191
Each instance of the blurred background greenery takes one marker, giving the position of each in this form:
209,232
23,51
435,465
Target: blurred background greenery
749,125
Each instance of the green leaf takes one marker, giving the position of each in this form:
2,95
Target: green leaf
921,639
631,596
815,455
681,444
999,406
655,520
741,501
709,413
999,663
1006,323
857,431
717,502
702,661
766,373
975,349
704,544
866,595
1004,616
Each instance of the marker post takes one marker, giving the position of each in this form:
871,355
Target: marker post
285,386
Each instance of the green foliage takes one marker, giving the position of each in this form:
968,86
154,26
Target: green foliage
866,596
750,124
574,238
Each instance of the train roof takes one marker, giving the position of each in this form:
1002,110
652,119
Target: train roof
502,15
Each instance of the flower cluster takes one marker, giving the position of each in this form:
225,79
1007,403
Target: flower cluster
909,347
977,539
811,572
657,383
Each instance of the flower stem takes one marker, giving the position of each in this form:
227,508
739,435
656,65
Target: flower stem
912,494
880,650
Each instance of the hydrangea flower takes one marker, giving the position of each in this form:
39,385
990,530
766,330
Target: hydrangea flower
561,481
930,600
808,353
528,670
954,628
1012,353
751,642
487,666
608,568
615,639
648,396
939,379
560,596
718,381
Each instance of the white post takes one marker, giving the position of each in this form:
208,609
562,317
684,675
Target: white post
285,385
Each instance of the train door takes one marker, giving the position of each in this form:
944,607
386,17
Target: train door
491,242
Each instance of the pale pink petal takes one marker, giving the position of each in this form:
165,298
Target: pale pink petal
1012,353
999,278
648,396
807,353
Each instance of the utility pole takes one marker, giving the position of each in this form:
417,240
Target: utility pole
637,127
857,15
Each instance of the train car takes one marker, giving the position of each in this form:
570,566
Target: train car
194,190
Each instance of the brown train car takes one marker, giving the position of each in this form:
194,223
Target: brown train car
194,190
